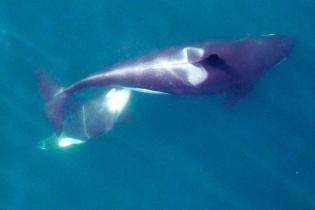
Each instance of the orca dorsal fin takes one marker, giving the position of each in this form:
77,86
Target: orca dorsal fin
214,60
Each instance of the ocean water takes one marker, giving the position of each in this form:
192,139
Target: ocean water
184,153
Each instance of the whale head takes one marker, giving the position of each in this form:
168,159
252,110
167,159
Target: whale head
248,58
251,57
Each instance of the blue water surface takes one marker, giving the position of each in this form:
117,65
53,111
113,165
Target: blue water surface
185,153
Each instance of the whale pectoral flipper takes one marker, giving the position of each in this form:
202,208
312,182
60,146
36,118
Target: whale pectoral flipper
54,99
237,92
88,119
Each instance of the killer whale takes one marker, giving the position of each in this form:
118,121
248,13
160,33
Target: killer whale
216,67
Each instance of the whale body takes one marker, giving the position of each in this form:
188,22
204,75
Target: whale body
216,67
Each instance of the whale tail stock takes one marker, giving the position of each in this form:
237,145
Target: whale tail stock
54,98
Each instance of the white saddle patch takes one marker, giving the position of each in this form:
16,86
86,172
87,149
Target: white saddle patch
195,75
192,54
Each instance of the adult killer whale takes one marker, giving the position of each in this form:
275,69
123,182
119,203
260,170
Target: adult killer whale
229,67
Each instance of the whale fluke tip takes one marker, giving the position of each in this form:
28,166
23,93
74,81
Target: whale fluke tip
54,99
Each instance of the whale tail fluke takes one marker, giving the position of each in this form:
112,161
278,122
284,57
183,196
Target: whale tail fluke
54,99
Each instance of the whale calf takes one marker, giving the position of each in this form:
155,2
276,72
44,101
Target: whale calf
216,67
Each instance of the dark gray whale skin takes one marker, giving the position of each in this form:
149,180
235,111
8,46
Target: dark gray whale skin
230,67
210,67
